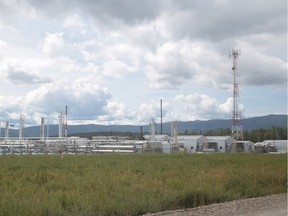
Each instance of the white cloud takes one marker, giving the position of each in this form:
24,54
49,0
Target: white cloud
118,113
227,107
13,11
209,20
53,44
116,69
9,106
74,21
121,113
85,100
126,11
154,48
169,67
148,35
3,44
201,106
17,73
122,52
181,107
184,62
262,70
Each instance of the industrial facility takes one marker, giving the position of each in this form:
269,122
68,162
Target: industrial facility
158,143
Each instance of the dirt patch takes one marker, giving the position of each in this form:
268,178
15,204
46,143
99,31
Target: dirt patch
262,206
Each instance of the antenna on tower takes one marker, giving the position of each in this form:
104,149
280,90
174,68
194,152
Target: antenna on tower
237,130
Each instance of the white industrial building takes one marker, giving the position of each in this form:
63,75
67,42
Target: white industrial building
192,144
280,145
243,146
219,144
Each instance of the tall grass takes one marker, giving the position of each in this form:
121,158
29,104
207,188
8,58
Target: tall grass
133,184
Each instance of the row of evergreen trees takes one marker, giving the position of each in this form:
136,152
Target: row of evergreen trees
257,135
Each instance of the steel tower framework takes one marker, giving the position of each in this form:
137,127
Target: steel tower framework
237,129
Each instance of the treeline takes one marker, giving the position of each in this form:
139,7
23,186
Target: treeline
257,135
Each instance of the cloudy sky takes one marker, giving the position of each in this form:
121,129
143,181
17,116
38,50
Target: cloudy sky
111,61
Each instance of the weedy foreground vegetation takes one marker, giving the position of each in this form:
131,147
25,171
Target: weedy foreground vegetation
133,184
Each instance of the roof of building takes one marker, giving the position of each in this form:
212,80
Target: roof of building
158,136
189,137
218,138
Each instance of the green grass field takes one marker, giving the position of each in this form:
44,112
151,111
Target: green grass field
133,184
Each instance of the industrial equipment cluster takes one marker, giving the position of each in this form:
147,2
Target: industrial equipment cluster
158,143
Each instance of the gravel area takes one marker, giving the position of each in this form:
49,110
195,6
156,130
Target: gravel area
262,206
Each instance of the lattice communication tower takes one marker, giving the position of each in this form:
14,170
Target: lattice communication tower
237,129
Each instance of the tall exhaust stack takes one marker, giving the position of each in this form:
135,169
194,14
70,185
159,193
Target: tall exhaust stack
66,126
174,129
152,129
42,129
161,116
60,125
7,131
21,126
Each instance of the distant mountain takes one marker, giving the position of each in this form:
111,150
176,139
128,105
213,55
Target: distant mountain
248,124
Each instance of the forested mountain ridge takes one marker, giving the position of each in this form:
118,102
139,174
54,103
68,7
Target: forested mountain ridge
189,127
